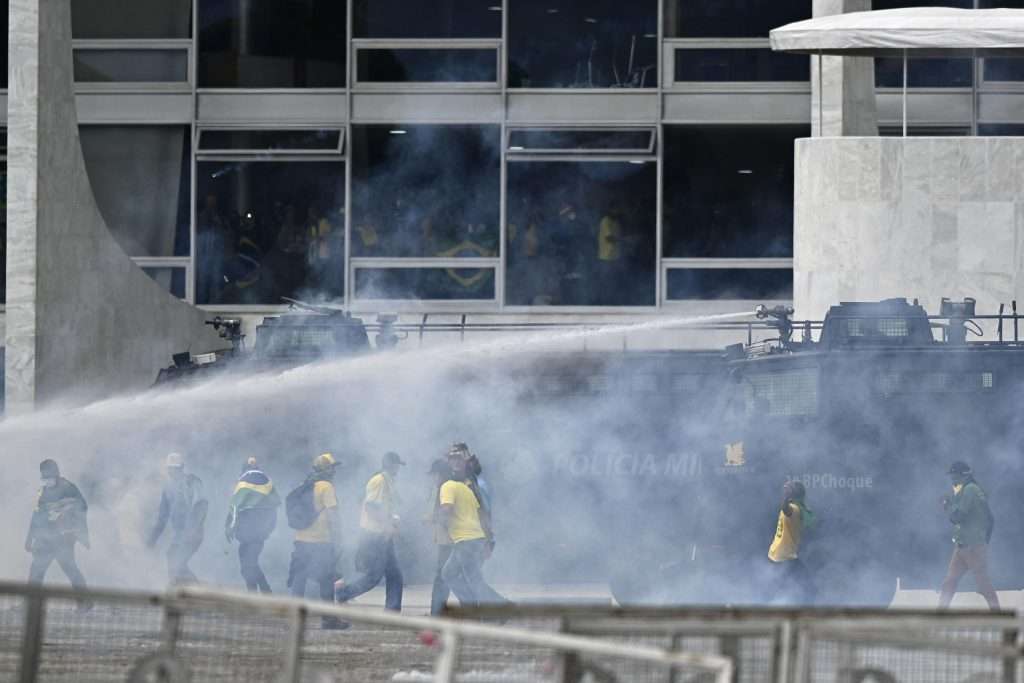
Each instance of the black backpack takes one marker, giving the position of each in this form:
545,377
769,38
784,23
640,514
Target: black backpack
300,507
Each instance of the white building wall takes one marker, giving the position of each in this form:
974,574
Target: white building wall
915,217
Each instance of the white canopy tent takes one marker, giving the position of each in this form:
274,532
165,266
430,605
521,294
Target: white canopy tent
918,31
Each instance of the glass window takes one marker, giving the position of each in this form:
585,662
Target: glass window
271,44
426,19
141,177
132,19
728,283
729,191
741,64
1004,68
577,44
427,65
435,284
425,191
994,129
581,233
131,66
731,18
282,140
581,140
171,279
923,73
268,229
925,131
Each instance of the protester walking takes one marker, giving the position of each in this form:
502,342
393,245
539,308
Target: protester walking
58,523
252,516
183,506
471,542
441,473
973,524
312,511
794,520
376,557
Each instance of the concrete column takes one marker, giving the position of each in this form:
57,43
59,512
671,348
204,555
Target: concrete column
83,321
847,85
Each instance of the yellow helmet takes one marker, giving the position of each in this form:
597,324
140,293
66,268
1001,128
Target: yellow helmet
324,461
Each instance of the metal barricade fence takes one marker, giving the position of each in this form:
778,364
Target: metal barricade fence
772,645
202,634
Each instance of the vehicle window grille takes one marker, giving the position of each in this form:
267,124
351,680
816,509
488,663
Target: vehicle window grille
789,393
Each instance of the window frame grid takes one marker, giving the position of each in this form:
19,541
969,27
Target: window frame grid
668,264
495,44
672,45
277,154
185,45
491,305
618,153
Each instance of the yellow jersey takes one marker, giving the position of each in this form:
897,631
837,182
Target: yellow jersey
378,490
325,501
464,523
786,544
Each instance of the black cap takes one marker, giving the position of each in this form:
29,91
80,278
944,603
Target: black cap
959,467
392,458
440,466
48,468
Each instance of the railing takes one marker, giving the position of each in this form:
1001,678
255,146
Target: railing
803,645
203,634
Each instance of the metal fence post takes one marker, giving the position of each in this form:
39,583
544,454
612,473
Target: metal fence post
292,671
171,629
1010,663
448,659
32,638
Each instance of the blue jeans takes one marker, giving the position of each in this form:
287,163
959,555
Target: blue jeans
380,563
463,572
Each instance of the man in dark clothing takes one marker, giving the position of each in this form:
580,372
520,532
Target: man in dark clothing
58,522
183,506
440,592
252,516
972,530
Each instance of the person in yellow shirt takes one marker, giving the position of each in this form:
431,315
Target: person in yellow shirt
315,555
379,523
794,519
471,543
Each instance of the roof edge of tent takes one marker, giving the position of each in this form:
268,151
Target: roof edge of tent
924,31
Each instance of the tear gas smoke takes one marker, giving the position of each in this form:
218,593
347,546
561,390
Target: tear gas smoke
414,402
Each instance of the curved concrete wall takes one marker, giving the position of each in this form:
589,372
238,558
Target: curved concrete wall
83,321
908,217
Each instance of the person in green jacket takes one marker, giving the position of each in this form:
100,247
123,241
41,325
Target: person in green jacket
972,530
252,516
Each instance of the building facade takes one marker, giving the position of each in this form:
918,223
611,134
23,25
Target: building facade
582,158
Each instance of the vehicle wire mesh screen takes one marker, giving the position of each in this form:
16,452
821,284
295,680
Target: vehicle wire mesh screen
786,393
